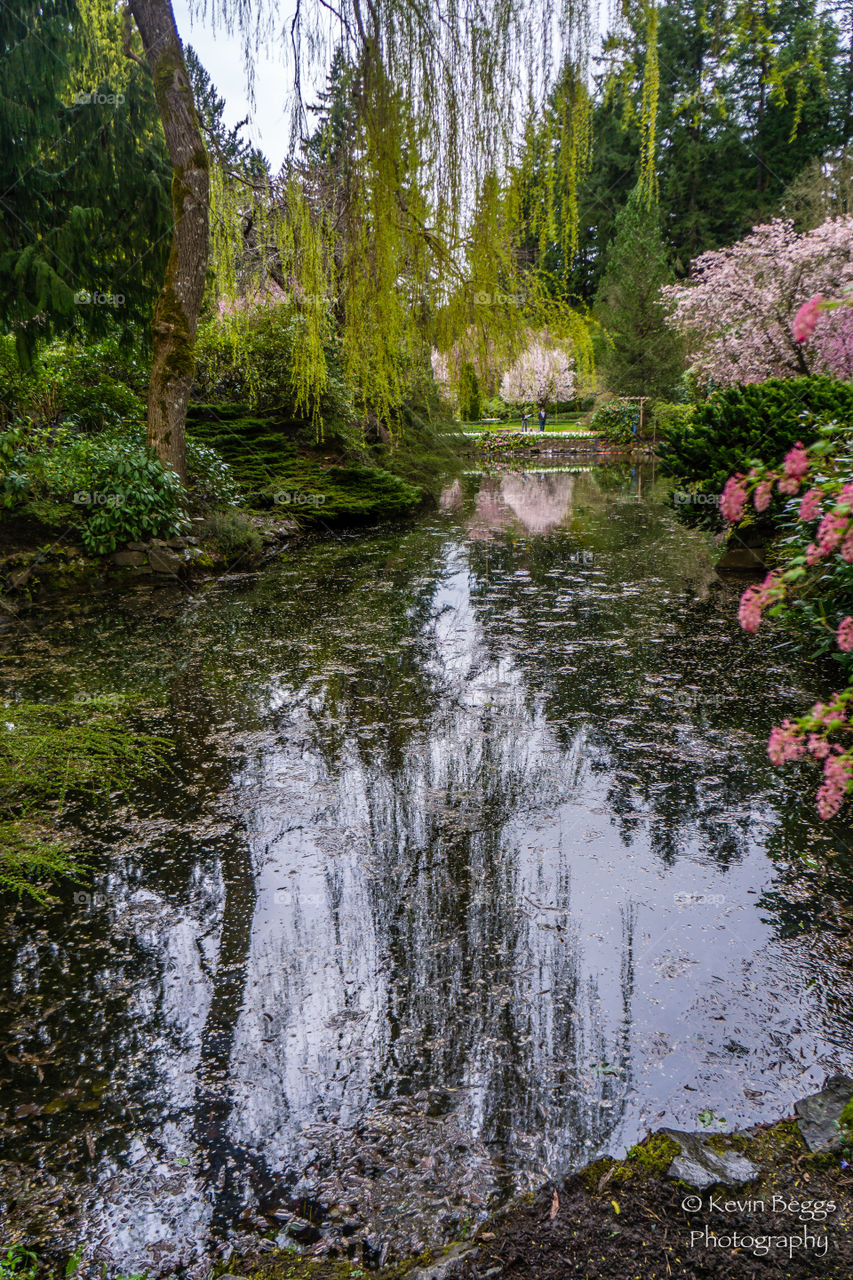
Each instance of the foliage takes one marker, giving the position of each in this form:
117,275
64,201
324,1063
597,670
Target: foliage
469,394
670,420
542,374
247,357
233,536
736,313
120,492
746,422
811,589
83,170
18,1263
90,385
642,356
50,756
618,422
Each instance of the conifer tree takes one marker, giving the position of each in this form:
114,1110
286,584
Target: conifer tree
642,356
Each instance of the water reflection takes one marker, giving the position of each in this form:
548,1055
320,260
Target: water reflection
462,877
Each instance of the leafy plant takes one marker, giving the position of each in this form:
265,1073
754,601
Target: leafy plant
618,422
234,536
741,423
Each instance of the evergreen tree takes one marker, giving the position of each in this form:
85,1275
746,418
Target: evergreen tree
84,178
469,394
643,356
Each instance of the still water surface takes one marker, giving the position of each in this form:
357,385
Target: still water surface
471,866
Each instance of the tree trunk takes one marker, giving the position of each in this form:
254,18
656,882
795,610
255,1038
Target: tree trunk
179,303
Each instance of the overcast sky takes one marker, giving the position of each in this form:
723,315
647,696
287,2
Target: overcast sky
222,57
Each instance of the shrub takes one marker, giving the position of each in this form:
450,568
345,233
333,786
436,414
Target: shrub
739,424
233,536
87,386
667,418
618,422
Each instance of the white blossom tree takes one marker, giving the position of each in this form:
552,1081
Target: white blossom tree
541,374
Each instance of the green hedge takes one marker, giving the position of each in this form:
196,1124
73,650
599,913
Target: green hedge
618,422
742,424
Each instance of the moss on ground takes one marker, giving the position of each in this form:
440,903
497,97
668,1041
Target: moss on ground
279,465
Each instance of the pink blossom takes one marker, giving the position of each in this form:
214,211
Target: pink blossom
796,462
785,743
741,302
749,610
830,531
788,485
847,548
845,635
836,779
814,553
762,495
805,321
818,747
844,501
810,504
733,499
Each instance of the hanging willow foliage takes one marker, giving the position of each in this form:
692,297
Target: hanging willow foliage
408,235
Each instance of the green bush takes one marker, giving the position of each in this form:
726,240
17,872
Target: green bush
667,418
233,536
88,386
618,422
240,361
738,425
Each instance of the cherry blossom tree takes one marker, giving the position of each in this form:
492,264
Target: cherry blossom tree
542,374
738,309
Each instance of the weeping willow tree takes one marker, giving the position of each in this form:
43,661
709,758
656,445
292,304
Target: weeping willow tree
419,242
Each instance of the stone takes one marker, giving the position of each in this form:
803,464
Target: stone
701,1166
818,1114
165,561
740,560
175,543
137,546
127,558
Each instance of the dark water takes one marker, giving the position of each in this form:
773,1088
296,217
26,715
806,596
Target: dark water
471,866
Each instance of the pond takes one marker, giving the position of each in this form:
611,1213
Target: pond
470,866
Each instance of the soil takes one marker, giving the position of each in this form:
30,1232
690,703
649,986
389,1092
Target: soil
637,1227
626,1220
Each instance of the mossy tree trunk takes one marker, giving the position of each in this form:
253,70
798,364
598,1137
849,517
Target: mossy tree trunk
179,303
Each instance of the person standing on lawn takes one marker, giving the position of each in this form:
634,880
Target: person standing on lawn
541,419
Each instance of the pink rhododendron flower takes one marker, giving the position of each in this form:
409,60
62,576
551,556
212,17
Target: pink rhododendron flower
788,485
845,635
749,610
810,504
837,772
818,747
805,321
830,531
762,495
796,462
785,743
733,499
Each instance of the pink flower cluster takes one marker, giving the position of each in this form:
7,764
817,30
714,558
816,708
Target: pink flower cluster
811,735
837,777
754,599
805,321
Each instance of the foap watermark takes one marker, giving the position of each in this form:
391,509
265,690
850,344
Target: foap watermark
85,298
494,298
580,557
681,497
101,699
688,898
89,900
95,98
695,699
298,498
87,498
